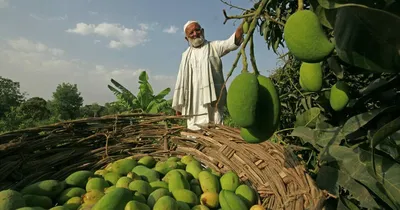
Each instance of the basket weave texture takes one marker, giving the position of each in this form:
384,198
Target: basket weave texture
55,151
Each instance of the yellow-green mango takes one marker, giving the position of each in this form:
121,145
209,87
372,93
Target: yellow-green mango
59,208
139,197
177,181
50,188
305,37
73,203
92,196
163,167
31,208
142,187
268,113
194,168
146,174
166,203
11,199
109,189
100,172
79,178
155,195
96,183
339,97
210,199
174,159
311,76
183,205
38,201
242,99
228,200
229,181
186,196
124,182
186,159
200,207
159,184
111,177
123,166
184,173
69,193
209,182
135,205
116,199
247,194
134,176
257,207
147,161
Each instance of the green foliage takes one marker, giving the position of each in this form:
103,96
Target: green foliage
66,101
10,95
145,101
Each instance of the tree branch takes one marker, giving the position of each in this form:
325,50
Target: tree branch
233,6
253,57
267,16
236,16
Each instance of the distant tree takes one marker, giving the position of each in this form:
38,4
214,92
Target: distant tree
67,101
92,110
34,108
10,95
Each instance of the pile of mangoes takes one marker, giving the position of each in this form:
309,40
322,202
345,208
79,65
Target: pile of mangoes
138,184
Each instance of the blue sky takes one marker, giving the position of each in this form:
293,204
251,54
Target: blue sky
88,42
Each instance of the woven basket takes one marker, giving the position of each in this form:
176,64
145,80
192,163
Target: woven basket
57,150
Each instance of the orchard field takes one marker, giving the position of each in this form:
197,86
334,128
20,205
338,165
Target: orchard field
334,101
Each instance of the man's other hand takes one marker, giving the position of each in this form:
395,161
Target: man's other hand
178,113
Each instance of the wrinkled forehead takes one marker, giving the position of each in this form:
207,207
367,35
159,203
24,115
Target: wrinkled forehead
192,27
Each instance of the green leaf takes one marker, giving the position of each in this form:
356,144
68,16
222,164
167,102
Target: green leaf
345,203
330,178
326,17
319,138
380,82
332,4
355,162
163,93
357,25
335,67
356,122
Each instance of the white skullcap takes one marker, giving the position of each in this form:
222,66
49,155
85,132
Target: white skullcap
188,23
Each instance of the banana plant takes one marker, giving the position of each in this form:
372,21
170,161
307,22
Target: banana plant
145,101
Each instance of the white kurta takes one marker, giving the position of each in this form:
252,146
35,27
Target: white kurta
199,82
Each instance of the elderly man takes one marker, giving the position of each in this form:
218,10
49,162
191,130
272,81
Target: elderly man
200,77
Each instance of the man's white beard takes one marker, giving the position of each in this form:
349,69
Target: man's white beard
196,42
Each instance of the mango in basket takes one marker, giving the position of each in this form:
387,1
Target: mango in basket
174,159
50,188
228,200
111,177
146,174
257,207
184,173
124,182
147,161
135,205
141,186
96,183
73,203
210,199
247,194
209,182
186,196
100,172
38,200
69,193
177,181
92,196
187,159
32,208
116,200
155,195
59,208
163,167
159,184
183,205
200,207
133,176
166,203
11,199
79,178
139,197
109,189
230,181
123,166
194,168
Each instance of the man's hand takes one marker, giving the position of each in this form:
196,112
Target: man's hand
239,35
178,113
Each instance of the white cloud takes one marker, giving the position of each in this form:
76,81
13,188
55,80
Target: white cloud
120,35
93,13
171,29
40,68
4,3
43,17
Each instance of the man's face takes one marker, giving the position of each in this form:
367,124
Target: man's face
194,35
